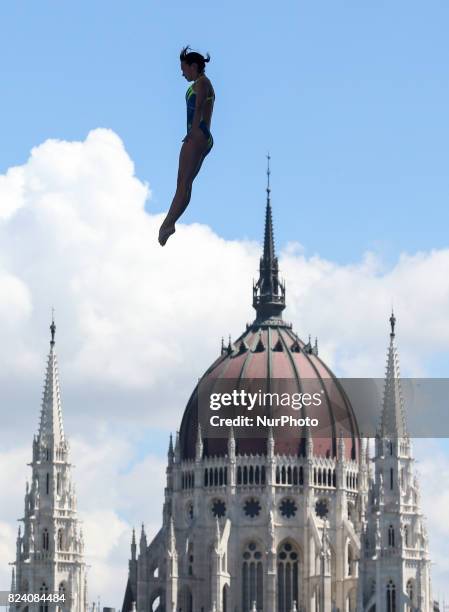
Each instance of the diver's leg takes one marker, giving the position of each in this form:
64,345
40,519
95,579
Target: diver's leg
189,191
190,160
200,163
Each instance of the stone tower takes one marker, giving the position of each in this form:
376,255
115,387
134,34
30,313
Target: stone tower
395,564
49,549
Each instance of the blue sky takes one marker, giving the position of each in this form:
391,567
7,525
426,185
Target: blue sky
351,99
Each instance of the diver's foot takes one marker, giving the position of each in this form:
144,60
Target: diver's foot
165,233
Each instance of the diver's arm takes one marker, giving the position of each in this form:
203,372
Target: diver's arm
201,95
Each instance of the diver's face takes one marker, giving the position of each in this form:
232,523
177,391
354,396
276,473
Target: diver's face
189,72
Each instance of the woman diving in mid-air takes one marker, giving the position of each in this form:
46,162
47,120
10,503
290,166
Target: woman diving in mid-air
198,142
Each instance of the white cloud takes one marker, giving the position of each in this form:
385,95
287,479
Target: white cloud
138,324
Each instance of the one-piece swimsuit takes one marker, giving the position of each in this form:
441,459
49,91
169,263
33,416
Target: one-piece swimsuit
191,102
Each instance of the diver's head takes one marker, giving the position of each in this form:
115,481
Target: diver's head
192,63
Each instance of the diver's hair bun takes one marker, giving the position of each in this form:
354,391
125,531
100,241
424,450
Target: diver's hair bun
192,57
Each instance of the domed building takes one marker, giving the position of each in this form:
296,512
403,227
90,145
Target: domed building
272,522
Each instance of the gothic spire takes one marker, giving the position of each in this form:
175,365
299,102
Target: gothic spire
52,327
393,419
269,291
133,546
171,452
50,427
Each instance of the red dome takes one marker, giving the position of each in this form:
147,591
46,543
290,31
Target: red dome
270,351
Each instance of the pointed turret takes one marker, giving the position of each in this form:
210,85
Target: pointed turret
270,444
269,291
171,452
50,427
143,540
393,420
133,546
341,447
231,444
177,448
199,445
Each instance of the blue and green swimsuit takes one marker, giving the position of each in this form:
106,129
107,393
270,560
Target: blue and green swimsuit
191,102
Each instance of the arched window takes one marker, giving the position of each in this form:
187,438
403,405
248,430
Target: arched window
58,483
391,536
252,578
43,591
391,478
350,561
391,597
287,577
406,536
60,539
45,539
295,475
410,594
47,483
225,598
